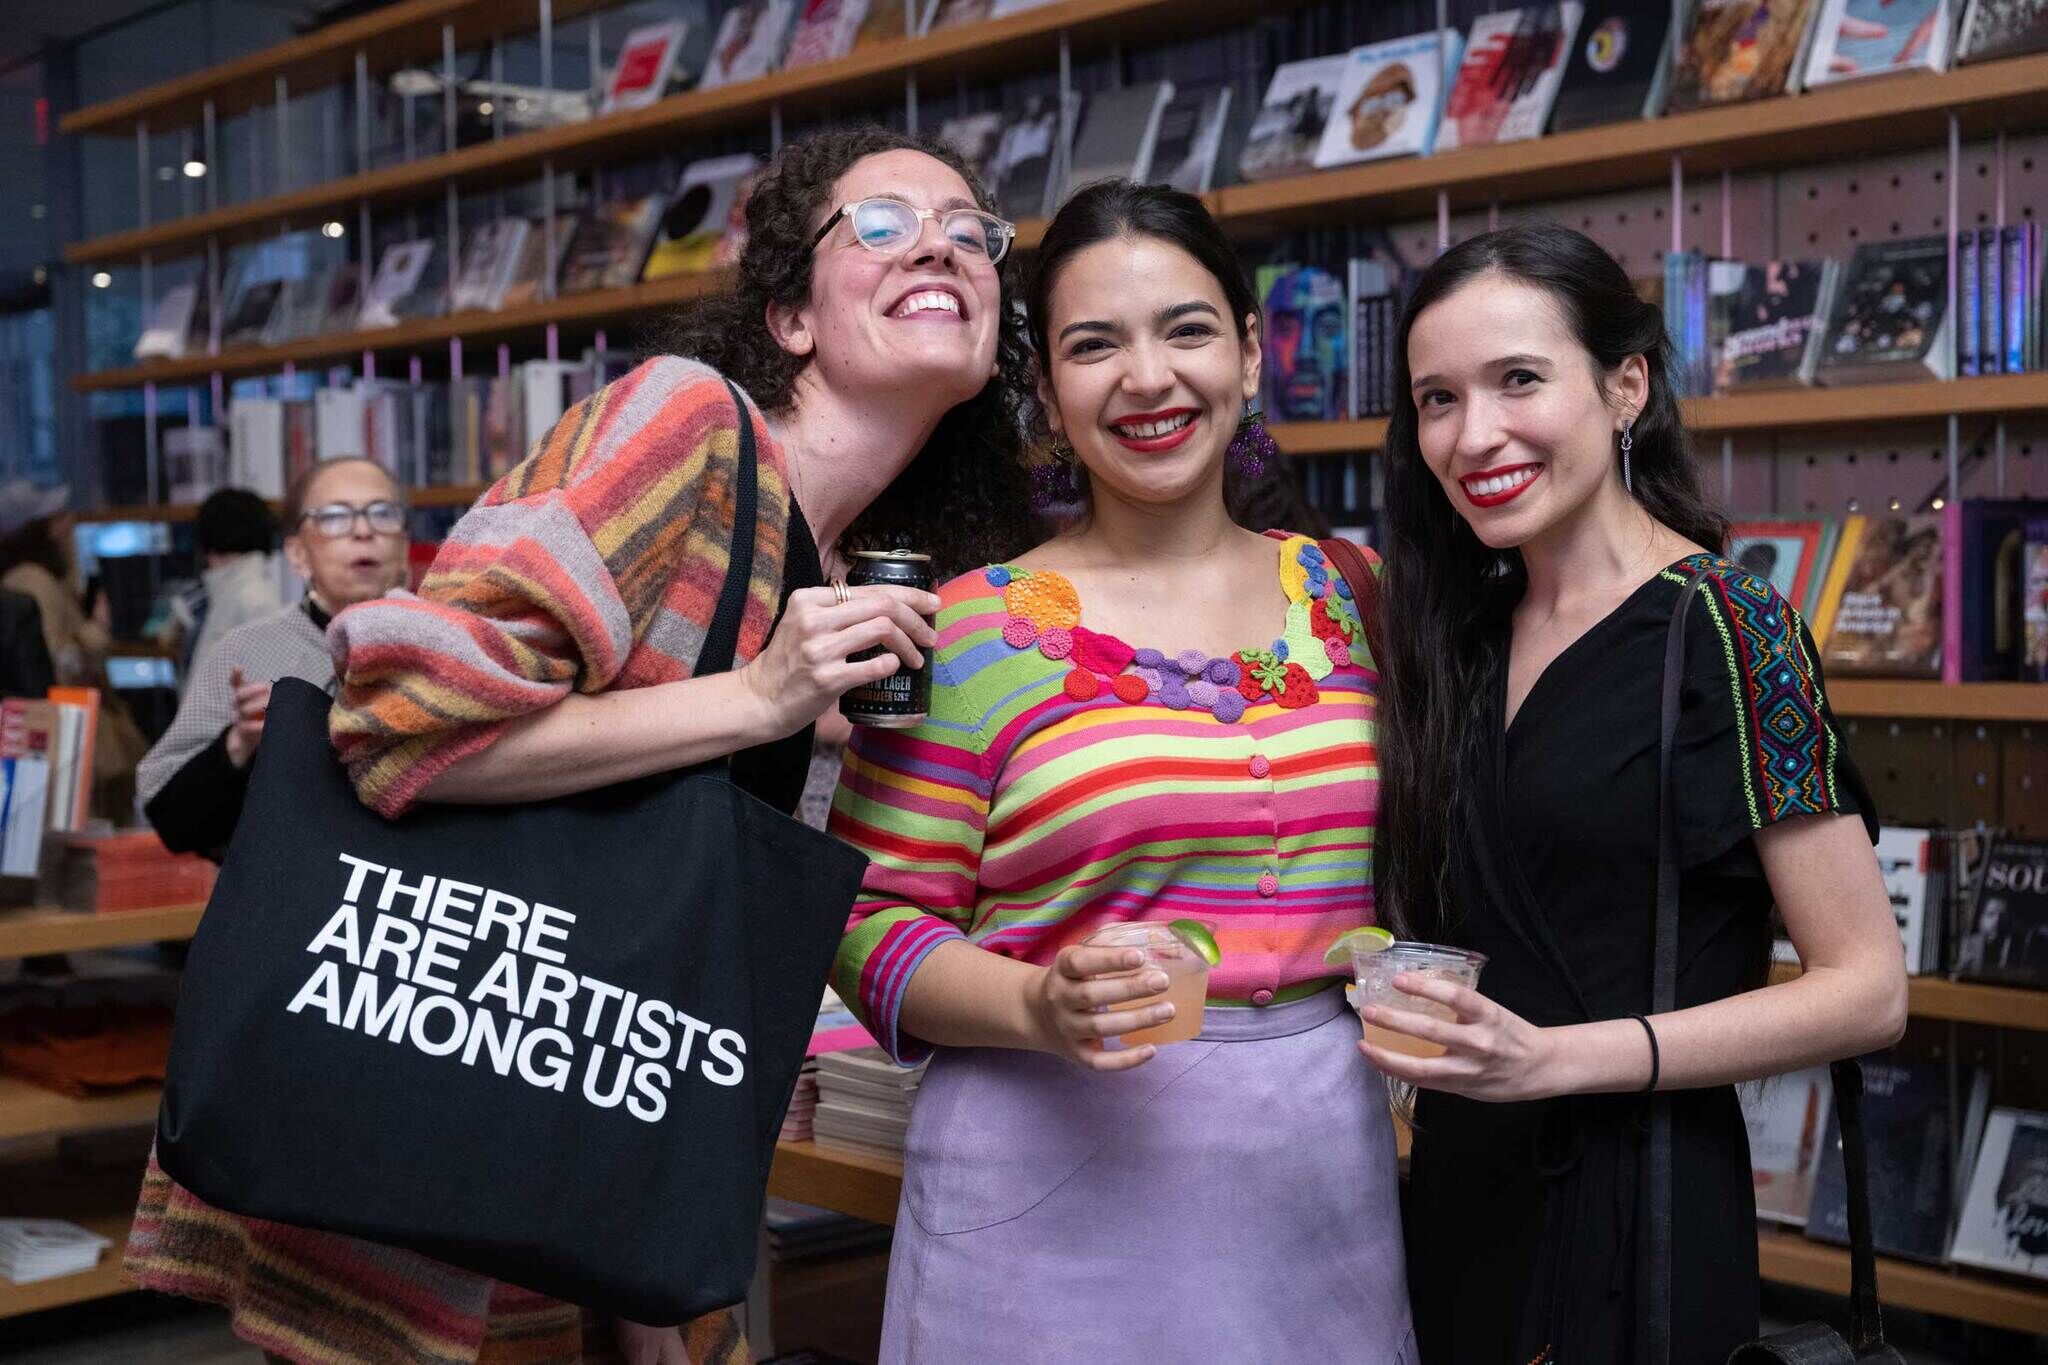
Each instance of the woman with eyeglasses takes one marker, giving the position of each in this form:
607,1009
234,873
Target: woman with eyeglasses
867,346
344,524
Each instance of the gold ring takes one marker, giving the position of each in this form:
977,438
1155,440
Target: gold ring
841,592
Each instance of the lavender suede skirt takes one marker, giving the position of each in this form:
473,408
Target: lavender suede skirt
1233,1199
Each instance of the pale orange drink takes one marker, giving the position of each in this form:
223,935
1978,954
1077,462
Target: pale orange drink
1187,977
1374,968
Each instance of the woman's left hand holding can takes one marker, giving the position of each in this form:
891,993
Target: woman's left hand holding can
808,662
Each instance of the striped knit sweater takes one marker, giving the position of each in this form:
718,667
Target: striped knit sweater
1065,780
593,565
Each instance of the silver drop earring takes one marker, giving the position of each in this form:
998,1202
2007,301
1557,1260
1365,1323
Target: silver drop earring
1627,444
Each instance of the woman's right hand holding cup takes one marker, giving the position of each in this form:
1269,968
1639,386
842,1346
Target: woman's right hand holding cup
808,662
1085,997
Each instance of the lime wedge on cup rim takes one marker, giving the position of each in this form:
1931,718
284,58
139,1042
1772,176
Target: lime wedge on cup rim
1197,936
1357,942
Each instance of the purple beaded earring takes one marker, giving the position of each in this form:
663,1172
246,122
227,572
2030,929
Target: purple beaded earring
1252,446
1056,482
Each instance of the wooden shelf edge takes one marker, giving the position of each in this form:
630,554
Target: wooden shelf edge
28,1110
1971,1295
35,930
1909,699
859,1186
1962,1002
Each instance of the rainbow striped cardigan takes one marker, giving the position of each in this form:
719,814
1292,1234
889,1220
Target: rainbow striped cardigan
595,564
1066,780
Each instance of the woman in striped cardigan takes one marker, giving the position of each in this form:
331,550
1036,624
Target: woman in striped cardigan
551,645
1155,716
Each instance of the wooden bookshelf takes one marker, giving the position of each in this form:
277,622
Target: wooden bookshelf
1962,1002
1905,699
1018,41
1786,1257
27,1109
100,1198
859,1186
33,930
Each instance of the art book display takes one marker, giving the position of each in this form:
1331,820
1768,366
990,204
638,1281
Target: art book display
1513,65
1389,99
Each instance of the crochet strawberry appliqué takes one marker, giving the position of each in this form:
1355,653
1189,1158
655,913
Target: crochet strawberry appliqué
1322,628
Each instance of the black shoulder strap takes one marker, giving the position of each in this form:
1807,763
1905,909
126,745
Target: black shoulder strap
722,637
1866,1324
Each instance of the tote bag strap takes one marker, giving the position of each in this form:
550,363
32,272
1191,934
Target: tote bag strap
722,638
1365,587
1866,1326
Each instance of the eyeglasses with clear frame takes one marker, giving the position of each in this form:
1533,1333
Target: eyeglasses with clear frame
890,227
332,521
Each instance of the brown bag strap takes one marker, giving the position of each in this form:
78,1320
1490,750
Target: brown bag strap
1365,588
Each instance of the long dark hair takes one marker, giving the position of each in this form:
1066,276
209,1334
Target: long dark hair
1447,595
965,498
1109,210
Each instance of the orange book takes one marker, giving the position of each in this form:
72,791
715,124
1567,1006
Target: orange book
80,795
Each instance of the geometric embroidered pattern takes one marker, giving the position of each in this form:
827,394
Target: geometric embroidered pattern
1788,748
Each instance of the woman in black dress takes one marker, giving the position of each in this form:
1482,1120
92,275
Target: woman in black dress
1546,518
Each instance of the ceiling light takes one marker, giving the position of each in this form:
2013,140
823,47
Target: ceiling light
332,228
194,169
485,109
42,275
101,279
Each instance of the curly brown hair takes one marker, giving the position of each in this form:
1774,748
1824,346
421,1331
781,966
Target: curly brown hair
965,498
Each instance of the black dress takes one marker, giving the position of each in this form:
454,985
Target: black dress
1523,1218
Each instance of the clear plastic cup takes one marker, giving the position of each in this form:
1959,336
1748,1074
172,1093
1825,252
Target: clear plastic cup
1187,978
1375,973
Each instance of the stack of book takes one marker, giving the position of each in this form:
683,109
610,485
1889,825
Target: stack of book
131,870
35,1249
798,1232
864,1102
836,1031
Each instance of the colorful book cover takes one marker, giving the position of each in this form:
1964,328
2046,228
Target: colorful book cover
1306,374
646,62
1776,320
1389,99
610,245
1990,290
1857,38
535,269
2018,275
2034,602
1509,76
1891,313
1740,50
708,206
1287,131
751,39
2003,28
2004,1223
1823,566
891,21
1969,298
824,32
1784,552
1619,66
1888,621
1787,1117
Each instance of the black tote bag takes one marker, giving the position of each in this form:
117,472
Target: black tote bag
549,1043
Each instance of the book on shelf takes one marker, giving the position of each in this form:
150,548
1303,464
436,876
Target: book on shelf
1119,129
401,274
1373,316
751,39
36,1249
170,325
1031,160
2002,28
2034,602
1908,1122
1619,67
977,138
708,207
338,422
1776,325
1882,609
1738,50
1789,554
953,13
2004,1222
824,32
535,267
195,463
2006,939
344,287
1509,74
28,739
78,719
1787,1117
1287,131
609,247
1190,138
864,1101
891,21
1390,99
1857,38
247,311
301,309
490,254
1905,858
646,64
256,445
1306,375
1890,322
1983,583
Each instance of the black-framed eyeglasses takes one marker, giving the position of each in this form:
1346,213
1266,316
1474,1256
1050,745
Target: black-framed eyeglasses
332,521
891,227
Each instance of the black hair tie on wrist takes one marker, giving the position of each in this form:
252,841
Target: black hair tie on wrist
1656,1061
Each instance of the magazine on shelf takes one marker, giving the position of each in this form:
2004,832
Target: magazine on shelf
1777,325
1908,1122
824,32
1857,38
533,266
1886,618
301,309
1619,66
1119,129
751,40
1787,1117
890,21
1741,50
1509,75
707,207
1306,374
2004,1223
1287,130
490,253
399,276
1031,160
169,325
247,312
1983,586
2003,28
1787,553
610,244
1905,859
977,137
1190,138
2006,940
1390,99
1890,321
951,13
647,62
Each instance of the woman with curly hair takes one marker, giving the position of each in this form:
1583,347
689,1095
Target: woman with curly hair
868,348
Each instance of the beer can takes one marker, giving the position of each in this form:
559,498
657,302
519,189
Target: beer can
902,699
